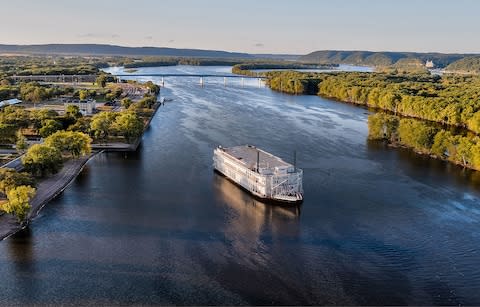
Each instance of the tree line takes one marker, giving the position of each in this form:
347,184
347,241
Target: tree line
448,99
426,138
246,68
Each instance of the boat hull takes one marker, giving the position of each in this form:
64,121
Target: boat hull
265,200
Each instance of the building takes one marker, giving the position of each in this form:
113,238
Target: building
9,102
86,107
429,64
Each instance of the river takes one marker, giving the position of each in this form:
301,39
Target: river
378,225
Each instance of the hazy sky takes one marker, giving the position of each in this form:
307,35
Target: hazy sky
260,26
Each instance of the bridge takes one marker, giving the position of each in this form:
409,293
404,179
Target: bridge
190,75
201,77
92,77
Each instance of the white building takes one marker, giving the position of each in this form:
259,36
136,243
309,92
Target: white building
429,64
86,107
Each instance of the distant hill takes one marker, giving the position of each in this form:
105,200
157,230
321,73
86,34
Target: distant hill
468,65
279,57
100,49
387,58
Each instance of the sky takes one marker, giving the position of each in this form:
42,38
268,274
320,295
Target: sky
254,26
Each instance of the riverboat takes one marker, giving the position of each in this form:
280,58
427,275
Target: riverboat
262,174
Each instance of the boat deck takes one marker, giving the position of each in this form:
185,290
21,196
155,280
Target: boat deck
248,155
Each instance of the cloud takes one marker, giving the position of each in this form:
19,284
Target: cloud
87,35
98,35
259,45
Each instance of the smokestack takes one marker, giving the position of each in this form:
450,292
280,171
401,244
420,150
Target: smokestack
258,161
295,161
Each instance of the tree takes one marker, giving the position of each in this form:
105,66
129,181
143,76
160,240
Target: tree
73,111
10,178
49,126
101,124
464,150
129,125
83,94
101,80
153,88
443,144
126,102
416,134
41,160
21,144
146,102
474,122
82,124
18,202
38,116
73,142
7,133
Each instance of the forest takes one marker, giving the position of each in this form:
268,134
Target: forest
450,99
426,138
468,65
246,68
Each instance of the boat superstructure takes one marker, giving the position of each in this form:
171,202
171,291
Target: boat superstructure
261,173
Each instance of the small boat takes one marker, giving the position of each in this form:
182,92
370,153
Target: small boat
262,174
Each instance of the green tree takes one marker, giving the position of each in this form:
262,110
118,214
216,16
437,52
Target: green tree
21,144
82,125
464,150
101,80
18,202
476,156
41,160
101,124
416,134
83,94
126,102
443,144
129,125
10,178
73,111
474,123
38,116
7,133
49,126
75,143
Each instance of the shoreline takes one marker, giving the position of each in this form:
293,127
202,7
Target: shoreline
127,147
47,189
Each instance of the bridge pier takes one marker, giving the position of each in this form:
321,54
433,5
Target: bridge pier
224,81
243,81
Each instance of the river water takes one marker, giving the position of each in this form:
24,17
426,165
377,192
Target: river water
378,225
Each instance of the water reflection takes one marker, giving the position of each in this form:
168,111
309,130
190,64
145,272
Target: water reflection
424,140
252,220
21,251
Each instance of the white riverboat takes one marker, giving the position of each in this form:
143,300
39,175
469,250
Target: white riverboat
259,172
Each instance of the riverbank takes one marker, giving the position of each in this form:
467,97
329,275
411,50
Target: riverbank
47,189
118,146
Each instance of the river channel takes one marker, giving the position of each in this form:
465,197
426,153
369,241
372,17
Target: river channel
378,225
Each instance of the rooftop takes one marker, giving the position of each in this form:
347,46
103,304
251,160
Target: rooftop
9,102
248,155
